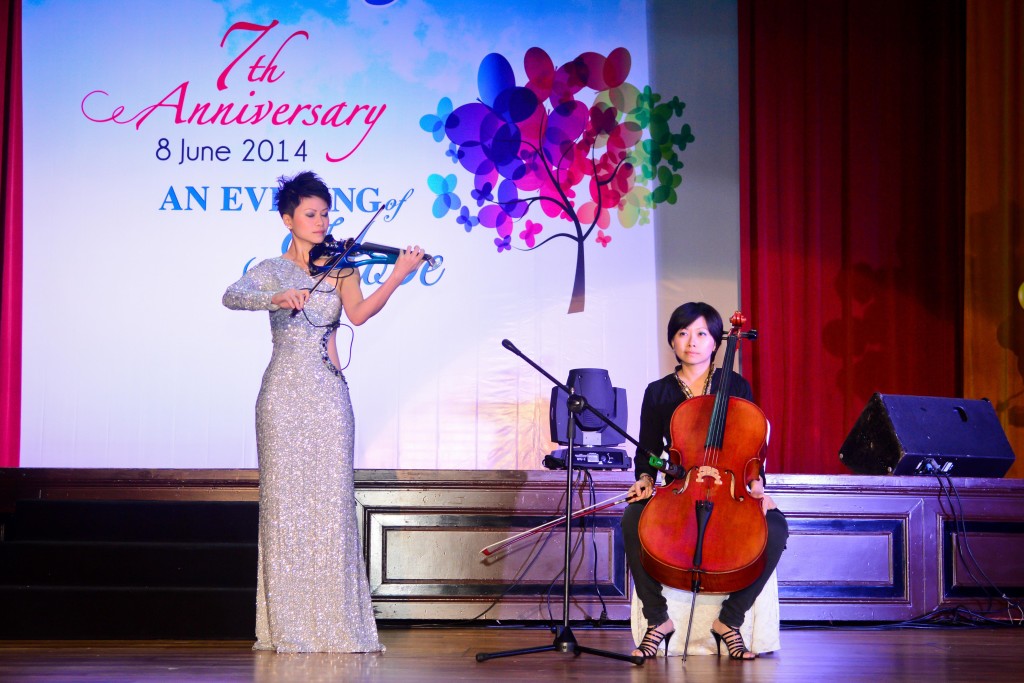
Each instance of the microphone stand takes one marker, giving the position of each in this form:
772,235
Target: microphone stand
564,640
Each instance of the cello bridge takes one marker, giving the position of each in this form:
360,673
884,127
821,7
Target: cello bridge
708,472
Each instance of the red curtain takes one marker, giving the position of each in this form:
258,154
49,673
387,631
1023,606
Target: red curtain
11,260
994,244
852,211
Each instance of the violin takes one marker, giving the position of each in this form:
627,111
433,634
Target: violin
346,254
351,254
703,531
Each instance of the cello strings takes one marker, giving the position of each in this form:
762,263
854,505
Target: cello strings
719,413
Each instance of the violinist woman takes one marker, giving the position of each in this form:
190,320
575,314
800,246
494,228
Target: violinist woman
694,334
312,592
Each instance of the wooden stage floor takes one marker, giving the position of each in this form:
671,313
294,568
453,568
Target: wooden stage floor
446,655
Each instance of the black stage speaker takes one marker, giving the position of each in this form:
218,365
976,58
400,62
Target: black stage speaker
903,434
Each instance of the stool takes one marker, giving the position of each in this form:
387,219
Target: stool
760,628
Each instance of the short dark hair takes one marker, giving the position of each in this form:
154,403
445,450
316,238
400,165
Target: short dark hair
685,315
291,191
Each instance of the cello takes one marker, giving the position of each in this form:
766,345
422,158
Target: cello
702,532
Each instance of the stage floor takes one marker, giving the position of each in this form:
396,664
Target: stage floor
445,655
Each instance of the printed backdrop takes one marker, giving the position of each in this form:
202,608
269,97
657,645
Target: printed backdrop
519,142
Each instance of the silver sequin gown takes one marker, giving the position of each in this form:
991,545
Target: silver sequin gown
312,593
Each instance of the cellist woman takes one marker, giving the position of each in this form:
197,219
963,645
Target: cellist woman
694,334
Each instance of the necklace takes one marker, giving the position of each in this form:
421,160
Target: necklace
687,393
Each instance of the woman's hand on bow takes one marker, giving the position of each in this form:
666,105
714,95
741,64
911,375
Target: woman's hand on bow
291,298
642,489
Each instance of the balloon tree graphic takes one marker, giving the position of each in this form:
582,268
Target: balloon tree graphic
542,144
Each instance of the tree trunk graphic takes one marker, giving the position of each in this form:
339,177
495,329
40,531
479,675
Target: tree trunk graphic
579,285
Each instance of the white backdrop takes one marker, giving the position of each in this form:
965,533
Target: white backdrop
129,358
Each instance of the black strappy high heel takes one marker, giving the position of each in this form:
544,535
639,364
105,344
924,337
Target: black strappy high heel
652,641
733,643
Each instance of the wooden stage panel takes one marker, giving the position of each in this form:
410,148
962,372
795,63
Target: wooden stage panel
418,555
862,548
873,552
963,544
423,548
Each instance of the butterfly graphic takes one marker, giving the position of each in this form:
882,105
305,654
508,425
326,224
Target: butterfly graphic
434,123
529,235
444,188
467,220
454,153
483,194
602,238
503,243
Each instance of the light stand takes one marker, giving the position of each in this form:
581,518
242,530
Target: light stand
564,640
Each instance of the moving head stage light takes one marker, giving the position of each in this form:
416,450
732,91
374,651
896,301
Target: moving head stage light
593,438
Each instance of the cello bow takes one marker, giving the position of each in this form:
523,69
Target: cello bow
596,507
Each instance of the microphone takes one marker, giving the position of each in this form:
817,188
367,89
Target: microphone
668,467
511,347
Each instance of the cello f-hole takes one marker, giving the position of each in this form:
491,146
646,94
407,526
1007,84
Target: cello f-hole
732,488
686,482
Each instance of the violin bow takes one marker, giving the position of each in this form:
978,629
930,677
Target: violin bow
596,507
337,259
